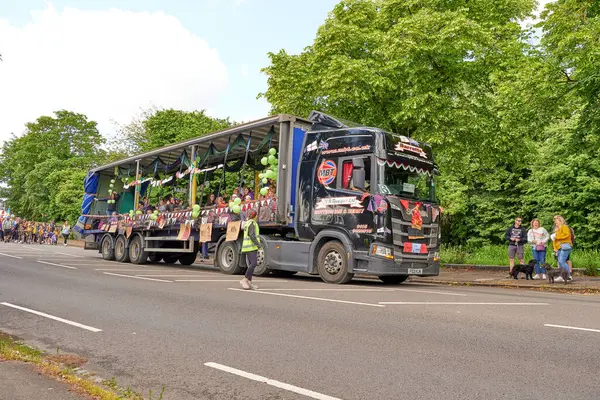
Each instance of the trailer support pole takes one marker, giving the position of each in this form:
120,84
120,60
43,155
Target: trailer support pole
136,197
193,183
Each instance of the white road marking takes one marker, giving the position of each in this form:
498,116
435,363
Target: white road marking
431,292
32,248
213,280
56,265
8,255
66,321
330,290
572,327
137,277
309,298
442,303
181,276
130,270
271,382
67,254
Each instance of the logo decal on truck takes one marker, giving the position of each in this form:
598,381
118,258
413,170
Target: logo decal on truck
327,172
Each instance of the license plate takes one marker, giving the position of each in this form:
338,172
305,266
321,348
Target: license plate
416,271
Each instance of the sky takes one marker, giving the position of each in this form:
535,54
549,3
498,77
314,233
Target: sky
112,59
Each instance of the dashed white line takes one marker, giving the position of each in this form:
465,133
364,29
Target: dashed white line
41,314
572,327
328,290
442,303
130,270
431,292
67,254
137,277
309,297
271,382
56,265
183,276
8,255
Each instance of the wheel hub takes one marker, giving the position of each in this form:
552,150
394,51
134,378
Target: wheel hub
333,262
228,257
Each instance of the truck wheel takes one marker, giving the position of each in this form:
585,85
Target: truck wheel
154,258
170,259
188,258
108,251
121,254
261,266
393,279
136,251
332,263
228,255
283,274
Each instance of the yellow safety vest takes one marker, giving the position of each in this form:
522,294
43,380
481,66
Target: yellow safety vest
248,245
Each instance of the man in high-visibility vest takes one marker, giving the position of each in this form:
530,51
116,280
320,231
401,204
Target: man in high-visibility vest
250,247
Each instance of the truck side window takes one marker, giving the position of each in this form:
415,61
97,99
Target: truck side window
347,168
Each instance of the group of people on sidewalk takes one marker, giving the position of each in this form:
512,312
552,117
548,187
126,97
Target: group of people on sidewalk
537,237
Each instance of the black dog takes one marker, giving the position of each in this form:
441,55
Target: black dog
526,269
556,272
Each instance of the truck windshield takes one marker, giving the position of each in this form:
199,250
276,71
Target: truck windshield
417,184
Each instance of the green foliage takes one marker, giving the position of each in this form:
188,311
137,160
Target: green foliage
44,168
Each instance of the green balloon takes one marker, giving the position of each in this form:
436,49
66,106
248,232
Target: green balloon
155,212
112,181
272,160
264,191
264,160
195,214
123,180
153,217
270,174
196,207
138,212
274,177
231,204
236,209
237,201
272,151
261,175
265,181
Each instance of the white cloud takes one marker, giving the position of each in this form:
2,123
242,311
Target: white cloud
105,64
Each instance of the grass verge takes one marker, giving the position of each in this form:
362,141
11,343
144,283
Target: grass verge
63,367
498,255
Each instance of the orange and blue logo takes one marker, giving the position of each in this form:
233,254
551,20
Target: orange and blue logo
327,172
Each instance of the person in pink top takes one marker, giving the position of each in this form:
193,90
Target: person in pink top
538,237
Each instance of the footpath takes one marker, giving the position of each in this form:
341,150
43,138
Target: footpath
497,277
20,381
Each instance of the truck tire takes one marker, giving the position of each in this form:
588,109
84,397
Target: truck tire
393,279
279,273
332,263
154,258
228,256
137,255
261,266
188,258
121,253
170,258
108,251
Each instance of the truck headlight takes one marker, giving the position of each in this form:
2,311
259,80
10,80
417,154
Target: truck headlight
383,251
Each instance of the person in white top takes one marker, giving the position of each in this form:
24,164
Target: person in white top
538,237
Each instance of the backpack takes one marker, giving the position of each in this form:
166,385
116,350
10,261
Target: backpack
572,236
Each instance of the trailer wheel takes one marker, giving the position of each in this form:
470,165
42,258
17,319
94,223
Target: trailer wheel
188,258
262,268
170,259
228,256
154,258
393,279
279,273
136,251
332,263
121,253
108,251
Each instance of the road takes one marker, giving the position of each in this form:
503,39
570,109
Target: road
194,331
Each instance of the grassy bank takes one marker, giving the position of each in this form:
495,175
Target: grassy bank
498,255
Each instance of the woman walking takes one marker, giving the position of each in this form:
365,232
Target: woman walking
538,236
561,243
66,231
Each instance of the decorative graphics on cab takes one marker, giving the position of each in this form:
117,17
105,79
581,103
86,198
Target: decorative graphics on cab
347,149
403,146
399,164
338,201
327,172
364,228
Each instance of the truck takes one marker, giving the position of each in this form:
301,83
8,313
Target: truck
347,200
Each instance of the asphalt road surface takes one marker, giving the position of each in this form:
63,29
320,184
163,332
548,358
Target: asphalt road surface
194,331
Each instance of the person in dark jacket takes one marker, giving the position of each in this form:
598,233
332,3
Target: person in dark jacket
516,236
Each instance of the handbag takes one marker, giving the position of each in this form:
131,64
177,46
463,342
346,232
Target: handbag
540,247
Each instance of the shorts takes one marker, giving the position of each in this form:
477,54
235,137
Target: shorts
518,250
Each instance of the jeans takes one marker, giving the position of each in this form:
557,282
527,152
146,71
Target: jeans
563,255
205,250
66,237
540,257
251,260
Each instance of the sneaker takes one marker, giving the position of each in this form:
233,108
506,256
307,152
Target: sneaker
536,276
244,284
544,276
559,279
509,276
65,245
570,278
252,285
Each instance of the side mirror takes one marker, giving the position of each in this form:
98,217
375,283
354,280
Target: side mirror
358,173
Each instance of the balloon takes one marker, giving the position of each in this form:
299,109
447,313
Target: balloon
196,207
272,151
270,174
138,212
265,181
230,204
153,217
112,181
155,212
264,160
237,201
123,180
195,214
274,177
264,191
236,209
272,160
261,175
